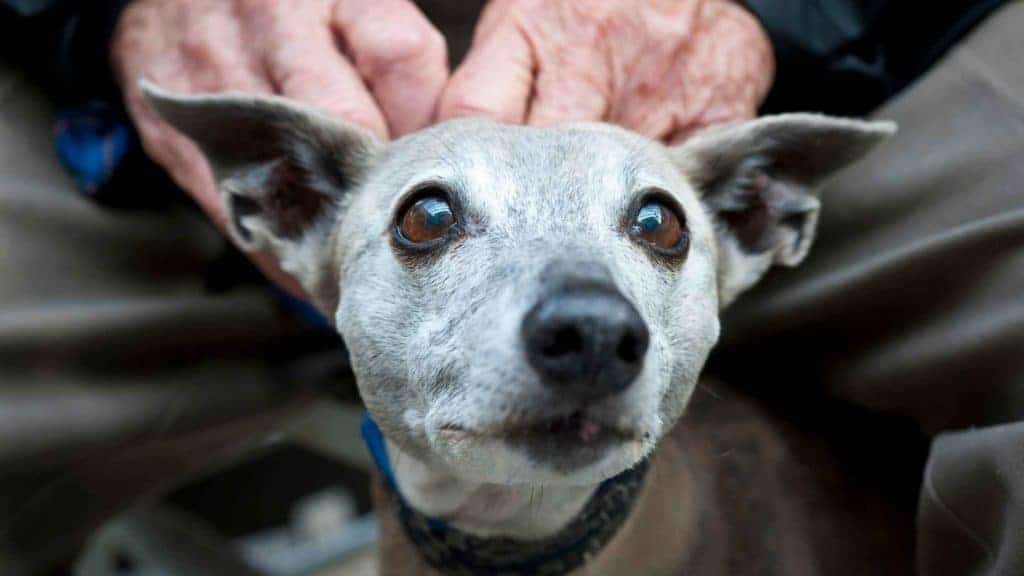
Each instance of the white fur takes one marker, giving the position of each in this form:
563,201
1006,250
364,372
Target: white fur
524,511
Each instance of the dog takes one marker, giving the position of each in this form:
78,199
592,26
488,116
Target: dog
528,311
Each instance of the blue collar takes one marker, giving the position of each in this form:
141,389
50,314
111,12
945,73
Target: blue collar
452,551
378,450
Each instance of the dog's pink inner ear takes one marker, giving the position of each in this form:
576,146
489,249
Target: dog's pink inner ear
283,195
758,181
292,201
764,213
280,166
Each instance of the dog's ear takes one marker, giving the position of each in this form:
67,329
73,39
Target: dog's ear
283,171
758,181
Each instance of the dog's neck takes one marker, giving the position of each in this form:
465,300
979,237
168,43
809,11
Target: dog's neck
435,523
469,527
483,509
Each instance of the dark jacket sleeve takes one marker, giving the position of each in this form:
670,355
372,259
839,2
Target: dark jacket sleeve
849,56
62,44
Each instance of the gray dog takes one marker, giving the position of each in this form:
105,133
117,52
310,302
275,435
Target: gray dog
527,310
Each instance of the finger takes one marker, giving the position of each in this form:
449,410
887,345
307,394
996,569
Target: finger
179,156
494,81
138,53
186,165
214,56
304,63
574,89
400,55
188,168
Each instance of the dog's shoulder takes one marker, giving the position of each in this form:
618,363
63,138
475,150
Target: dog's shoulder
776,498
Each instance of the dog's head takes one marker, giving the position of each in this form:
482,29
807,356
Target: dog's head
521,305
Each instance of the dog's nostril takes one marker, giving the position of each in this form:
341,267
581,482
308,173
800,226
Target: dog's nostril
564,341
630,348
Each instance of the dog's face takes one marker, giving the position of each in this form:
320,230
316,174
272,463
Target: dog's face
553,323
521,305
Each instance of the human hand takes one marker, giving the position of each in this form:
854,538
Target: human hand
664,68
376,63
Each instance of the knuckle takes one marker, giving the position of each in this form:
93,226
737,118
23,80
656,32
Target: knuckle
297,78
359,117
255,6
407,46
429,42
466,105
195,47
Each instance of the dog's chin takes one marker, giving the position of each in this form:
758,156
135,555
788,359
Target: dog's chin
569,451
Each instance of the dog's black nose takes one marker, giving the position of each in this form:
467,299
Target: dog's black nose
589,342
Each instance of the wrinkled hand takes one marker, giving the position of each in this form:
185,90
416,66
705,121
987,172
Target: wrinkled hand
663,68
377,63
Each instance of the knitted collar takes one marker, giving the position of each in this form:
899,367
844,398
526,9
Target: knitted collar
452,551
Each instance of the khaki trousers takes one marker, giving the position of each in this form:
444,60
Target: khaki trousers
911,303
120,375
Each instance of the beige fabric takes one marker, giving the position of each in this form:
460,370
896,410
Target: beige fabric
912,301
119,374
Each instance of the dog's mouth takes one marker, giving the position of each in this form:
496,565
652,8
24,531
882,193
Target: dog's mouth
575,428
562,442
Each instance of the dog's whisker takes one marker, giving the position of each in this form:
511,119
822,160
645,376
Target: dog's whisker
710,391
530,509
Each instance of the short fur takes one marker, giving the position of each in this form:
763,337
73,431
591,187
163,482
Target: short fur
435,338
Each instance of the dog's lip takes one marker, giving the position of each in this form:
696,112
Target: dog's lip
578,424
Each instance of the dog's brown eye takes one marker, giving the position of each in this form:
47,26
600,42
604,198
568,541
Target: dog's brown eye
426,219
659,226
